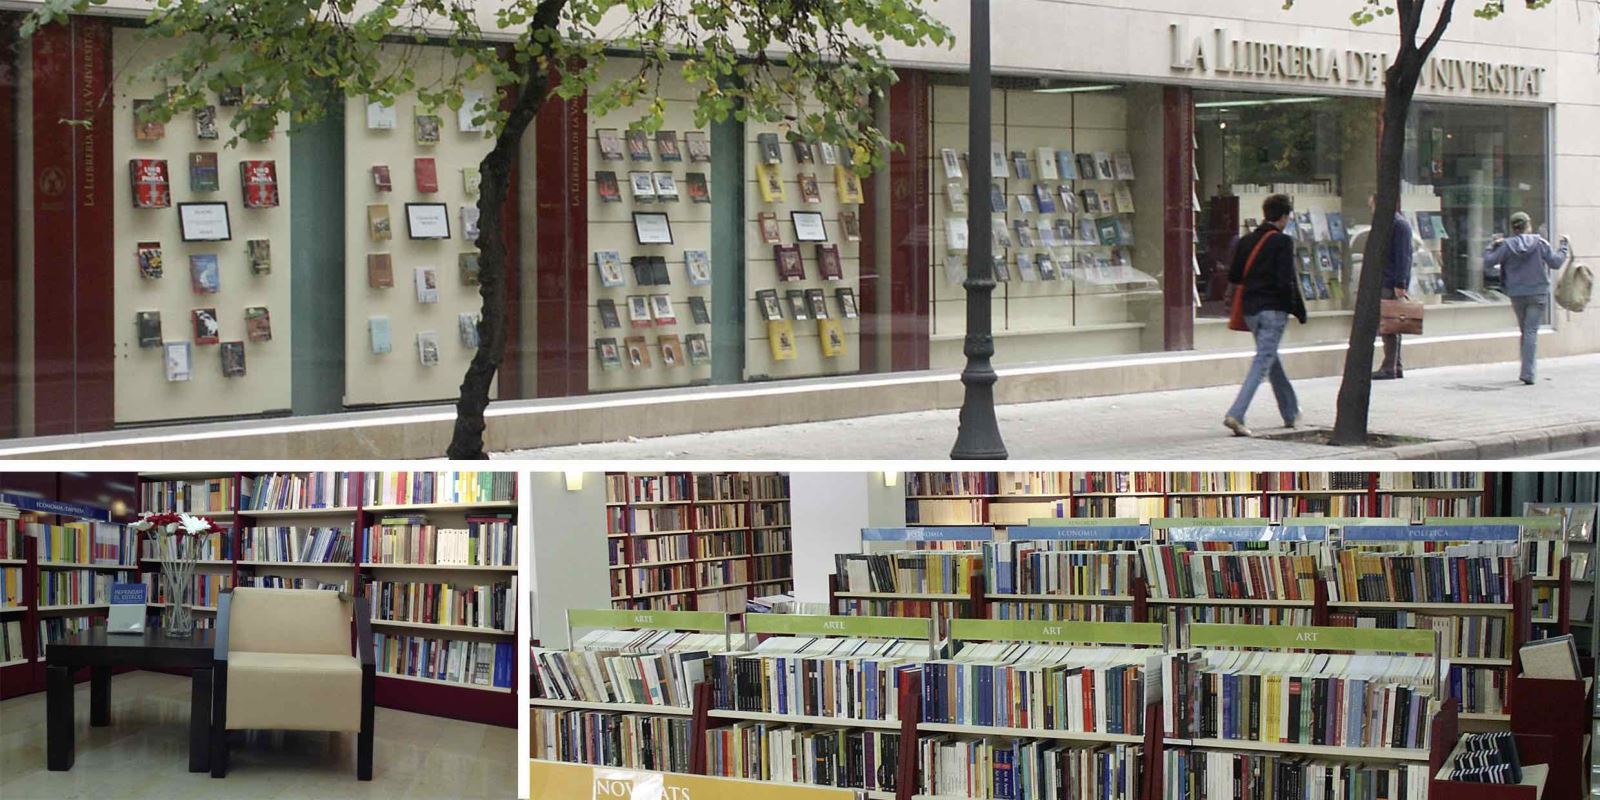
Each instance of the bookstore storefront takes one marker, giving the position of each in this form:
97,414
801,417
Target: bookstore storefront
340,271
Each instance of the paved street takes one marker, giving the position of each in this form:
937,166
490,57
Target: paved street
1475,402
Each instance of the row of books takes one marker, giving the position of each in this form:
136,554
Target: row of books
722,544
53,629
1391,481
1045,568
1140,508
857,687
940,611
662,579
1018,483
71,587
1417,509
727,601
773,567
1300,698
1480,690
1236,481
1013,769
1315,481
448,487
1338,505
649,488
668,548
198,496
1480,572
1190,774
11,591
486,541
83,542
491,607
721,515
280,582
11,641
945,484
850,759
1244,505
1461,636
1075,612
946,512
204,547
771,541
207,588
297,545
657,520
722,486
10,532
770,514
1043,687
726,572
908,572
665,679
1176,571
610,739
297,490
448,660
1542,557
1118,482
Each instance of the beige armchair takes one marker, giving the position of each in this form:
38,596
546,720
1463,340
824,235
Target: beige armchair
283,662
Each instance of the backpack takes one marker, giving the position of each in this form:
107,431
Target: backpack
1574,287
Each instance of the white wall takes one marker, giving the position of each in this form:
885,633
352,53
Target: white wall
829,510
568,551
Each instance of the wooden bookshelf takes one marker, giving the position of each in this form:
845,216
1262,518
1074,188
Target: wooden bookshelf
729,539
355,509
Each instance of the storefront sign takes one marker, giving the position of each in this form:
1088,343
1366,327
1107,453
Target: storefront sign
1221,55
555,781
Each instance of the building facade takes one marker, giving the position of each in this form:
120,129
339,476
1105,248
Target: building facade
331,270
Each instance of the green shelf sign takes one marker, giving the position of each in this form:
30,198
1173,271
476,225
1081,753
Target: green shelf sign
989,630
819,625
1343,522
697,621
1307,637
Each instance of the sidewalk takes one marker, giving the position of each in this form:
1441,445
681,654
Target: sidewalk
1479,411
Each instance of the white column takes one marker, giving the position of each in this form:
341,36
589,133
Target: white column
571,567
829,509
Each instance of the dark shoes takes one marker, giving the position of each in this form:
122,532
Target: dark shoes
1528,381
1385,375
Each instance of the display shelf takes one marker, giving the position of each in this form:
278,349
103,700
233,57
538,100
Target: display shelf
1486,716
1468,608
192,607
73,607
14,609
899,596
394,509
1223,601
1465,661
12,562
429,626
14,662
209,562
1058,598
798,719
462,567
1464,491
674,563
73,565
1389,754
297,512
309,564
621,708
1032,733
453,684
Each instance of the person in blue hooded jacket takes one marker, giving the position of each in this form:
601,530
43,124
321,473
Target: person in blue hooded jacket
1525,259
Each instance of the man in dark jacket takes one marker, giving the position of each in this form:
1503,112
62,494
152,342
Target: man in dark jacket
1396,282
1263,268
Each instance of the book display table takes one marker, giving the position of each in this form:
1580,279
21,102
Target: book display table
102,653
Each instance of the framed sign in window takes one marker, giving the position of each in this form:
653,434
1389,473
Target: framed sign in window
427,220
652,227
808,226
204,222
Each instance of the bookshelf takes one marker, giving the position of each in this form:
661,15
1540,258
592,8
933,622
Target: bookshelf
1061,569
682,541
396,537
58,560
1576,528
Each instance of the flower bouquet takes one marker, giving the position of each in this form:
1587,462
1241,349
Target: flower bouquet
177,542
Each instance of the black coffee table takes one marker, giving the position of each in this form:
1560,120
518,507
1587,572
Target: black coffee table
101,653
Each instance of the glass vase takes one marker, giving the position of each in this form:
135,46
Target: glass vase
177,585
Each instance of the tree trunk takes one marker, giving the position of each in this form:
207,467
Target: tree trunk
467,440
1355,391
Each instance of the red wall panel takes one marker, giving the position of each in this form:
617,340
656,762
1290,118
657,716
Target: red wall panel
561,277
909,236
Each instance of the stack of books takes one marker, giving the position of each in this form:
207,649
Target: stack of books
1179,571
759,751
854,686
610,739
1191,774
596,676
303,490
909,573
483,664
491,607
998,768
298,545
1059,568
1042,687
1476,572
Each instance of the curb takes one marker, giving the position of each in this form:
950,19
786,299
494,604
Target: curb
1516,444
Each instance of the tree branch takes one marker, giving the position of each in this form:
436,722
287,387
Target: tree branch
1438,28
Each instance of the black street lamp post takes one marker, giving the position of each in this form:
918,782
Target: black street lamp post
979,436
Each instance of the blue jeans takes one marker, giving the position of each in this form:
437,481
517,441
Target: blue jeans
1268,328
1530,315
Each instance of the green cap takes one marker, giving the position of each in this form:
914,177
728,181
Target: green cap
1521,219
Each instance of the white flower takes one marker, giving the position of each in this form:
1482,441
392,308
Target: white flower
193,525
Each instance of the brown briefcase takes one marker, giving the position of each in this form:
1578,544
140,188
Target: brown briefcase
1400,316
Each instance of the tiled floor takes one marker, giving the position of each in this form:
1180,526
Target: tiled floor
144,754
